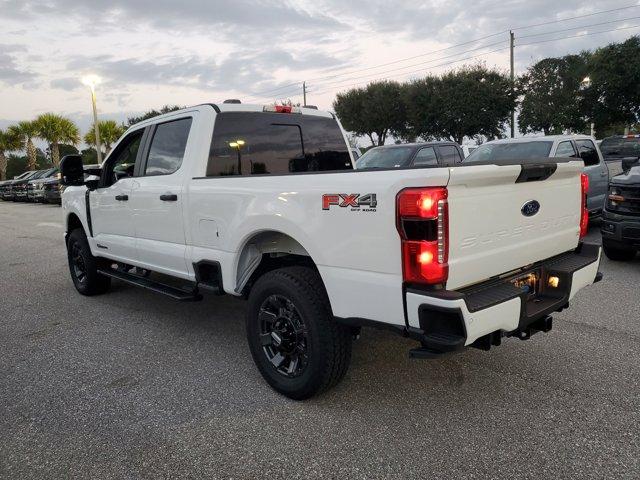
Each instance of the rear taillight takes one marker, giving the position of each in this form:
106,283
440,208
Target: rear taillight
584,213
422,220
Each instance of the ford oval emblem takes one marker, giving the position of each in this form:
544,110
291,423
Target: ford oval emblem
530,208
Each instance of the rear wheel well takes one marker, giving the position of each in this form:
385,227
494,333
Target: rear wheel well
269,262
267,251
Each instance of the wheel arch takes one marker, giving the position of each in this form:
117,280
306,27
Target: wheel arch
72,222
264,251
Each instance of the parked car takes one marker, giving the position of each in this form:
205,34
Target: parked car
52,187
35,192
427,154
267,207
20,187
620,146
467,149
4,185
621,219
356,153
51,190
570,146
14,189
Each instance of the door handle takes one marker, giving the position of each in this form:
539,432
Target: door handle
169,197
122,198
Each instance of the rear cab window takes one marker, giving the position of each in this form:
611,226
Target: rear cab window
621,146
262,143
500,152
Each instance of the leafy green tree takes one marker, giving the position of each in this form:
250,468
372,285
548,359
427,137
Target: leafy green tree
89,156
110,132
26,132
152,113
8,142
551,95
375,111
55,129
18,164
613,93
463,103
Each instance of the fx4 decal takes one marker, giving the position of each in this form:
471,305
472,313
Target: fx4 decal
353,200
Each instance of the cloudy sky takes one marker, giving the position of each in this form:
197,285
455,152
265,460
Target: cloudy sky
155,52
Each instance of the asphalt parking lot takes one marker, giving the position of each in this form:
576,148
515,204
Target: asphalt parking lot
133,385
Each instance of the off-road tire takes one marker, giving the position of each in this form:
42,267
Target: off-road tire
328,343
618,254
91,282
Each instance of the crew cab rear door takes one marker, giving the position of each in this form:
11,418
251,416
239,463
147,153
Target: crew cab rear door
157,197
490,230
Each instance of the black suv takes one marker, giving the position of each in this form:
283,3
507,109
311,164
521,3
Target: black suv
621,218
428,154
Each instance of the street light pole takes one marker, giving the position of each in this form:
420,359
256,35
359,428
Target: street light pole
513,79
95,124
91,81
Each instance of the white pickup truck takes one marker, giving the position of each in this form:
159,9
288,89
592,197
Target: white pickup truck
263,202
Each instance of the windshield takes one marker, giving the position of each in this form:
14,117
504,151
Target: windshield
492,152
395,157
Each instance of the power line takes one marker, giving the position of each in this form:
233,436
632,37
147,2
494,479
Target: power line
410,58
412,65
479,39
576,17
577,36
416,71
323,85
578,28
285,89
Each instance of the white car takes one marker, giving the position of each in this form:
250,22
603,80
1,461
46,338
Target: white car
468,149
568,146
262,202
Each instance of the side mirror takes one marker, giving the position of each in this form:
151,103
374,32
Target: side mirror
629,162
71,171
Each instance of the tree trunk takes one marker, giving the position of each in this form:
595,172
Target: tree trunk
107,149
371,138
3,166
55,154
31,154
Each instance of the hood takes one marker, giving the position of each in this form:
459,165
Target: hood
632,177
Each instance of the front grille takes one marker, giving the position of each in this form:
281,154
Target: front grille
631,203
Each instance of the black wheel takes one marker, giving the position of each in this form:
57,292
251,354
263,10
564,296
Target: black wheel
296,344
83,266
616,253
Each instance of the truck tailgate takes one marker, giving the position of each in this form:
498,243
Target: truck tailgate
489,233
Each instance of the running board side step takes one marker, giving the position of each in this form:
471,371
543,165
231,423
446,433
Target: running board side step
157,287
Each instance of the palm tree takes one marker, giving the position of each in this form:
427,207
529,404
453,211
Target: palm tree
55,129
110,132
8,142
26,132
